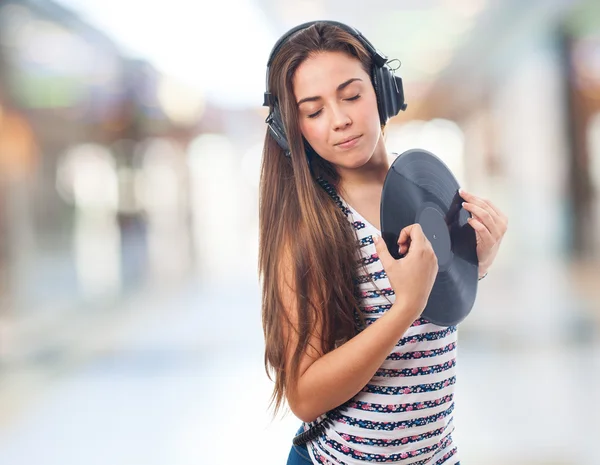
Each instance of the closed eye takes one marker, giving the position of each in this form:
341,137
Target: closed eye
314,115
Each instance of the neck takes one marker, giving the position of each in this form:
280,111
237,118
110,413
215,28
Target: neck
370,175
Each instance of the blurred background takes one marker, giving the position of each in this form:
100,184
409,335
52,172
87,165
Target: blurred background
130,143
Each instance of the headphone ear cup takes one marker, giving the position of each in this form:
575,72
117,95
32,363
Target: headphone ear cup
277,130
376,79
390,93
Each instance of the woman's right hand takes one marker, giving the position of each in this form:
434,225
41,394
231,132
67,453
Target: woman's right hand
412,277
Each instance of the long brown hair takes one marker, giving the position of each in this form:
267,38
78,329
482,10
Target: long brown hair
298,218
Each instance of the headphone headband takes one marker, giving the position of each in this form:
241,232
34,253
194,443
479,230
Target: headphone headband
379,59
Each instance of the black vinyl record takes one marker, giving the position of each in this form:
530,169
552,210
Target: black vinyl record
420,188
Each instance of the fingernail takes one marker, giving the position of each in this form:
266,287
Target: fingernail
375,238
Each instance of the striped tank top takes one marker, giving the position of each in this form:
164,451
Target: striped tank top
404,413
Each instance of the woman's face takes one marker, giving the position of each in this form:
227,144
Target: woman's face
336,101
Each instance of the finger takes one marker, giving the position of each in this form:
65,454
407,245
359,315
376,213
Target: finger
404,240
411,233
472,198
404,235
484,233
404,245
384,255
403,248
480,201
417,240
500,218
490,220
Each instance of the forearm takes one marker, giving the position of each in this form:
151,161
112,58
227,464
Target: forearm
340,374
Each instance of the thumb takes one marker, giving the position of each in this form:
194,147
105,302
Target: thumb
382,251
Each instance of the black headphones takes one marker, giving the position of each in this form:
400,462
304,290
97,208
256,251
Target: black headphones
388,87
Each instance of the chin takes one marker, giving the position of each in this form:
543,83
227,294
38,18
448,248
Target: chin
351,159
357,160
364,155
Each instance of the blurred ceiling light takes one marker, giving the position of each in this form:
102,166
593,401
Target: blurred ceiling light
87,178
181,103
13,18
216,203
211,156
158,184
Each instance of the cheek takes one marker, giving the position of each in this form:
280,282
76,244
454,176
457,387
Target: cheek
370,112
314,132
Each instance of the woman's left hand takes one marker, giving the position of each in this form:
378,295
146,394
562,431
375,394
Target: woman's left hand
490,225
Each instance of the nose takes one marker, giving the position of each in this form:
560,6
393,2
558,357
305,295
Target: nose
340,118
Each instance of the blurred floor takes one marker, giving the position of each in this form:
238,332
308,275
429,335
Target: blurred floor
177,379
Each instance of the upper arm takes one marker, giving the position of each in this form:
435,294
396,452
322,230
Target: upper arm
290,331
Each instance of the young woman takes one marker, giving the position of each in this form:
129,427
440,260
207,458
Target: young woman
370,379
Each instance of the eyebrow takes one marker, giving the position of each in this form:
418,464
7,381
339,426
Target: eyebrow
342,86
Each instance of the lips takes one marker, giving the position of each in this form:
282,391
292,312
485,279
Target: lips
347,140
